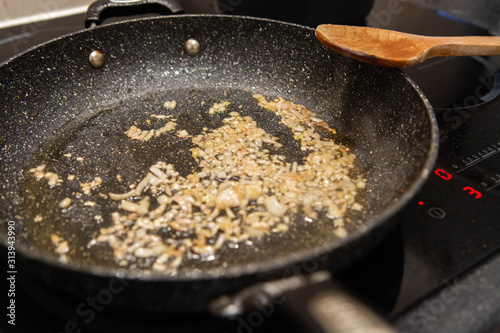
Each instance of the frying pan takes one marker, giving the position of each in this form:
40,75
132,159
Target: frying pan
54,102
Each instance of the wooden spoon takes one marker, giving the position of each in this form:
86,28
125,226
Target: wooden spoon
396,49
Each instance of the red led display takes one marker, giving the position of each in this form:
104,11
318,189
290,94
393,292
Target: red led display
447,176
443,174
473,192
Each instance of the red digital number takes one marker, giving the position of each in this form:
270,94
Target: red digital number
443,174
472,191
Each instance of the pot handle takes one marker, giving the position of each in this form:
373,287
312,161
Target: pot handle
315,304
101,10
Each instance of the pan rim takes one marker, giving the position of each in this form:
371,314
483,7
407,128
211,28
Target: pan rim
267,265
150,19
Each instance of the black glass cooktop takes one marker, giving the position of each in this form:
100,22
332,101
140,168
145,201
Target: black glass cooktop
439,271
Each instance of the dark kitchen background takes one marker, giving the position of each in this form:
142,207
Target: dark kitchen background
439,271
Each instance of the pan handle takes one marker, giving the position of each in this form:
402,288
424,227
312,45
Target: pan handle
315,304
101,10
327,307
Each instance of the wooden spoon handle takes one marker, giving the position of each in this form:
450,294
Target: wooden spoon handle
463,46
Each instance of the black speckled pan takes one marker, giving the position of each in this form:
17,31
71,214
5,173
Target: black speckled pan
53,102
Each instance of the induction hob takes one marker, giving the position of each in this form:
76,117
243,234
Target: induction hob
439,271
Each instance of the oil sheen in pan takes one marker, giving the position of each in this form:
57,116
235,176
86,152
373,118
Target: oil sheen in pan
97,146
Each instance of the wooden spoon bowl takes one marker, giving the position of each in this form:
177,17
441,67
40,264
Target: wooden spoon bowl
396,49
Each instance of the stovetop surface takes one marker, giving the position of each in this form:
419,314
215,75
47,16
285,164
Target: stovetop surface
439,271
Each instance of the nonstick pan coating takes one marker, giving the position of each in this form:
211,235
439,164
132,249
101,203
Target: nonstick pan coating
54,102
